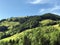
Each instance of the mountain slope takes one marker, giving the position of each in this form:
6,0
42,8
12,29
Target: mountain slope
30,30
36,36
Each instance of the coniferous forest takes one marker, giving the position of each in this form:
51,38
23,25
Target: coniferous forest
30,30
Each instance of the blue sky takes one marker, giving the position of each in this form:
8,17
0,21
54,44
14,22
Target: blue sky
16,8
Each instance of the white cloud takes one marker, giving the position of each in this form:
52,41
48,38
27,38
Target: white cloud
55,8
42,1
50,10
42,10
35,1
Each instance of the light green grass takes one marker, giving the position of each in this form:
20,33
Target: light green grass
44,22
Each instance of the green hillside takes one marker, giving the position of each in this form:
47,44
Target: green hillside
30,30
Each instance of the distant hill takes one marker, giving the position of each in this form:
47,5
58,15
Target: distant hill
31,30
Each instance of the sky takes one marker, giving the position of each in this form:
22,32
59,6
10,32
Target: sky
21,8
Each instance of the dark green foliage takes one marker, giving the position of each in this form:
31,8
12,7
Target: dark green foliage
2,20
5,36
45,41
50,16
52,23
31,24
18,19
3,28
27,41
